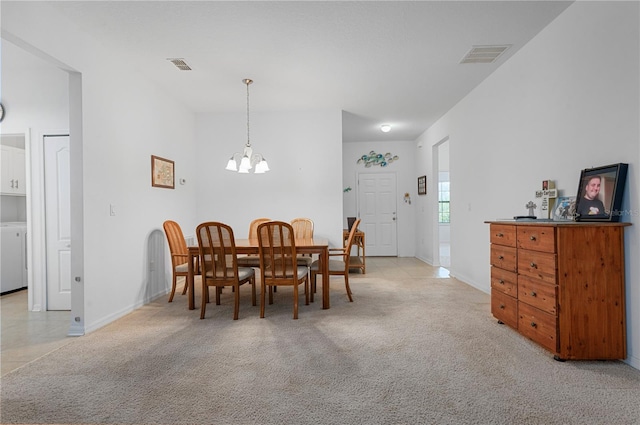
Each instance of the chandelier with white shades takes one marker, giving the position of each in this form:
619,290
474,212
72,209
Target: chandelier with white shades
247,159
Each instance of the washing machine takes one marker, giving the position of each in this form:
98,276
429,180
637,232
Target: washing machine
13,254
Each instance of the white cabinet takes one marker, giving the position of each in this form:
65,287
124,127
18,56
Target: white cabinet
13,272
13,168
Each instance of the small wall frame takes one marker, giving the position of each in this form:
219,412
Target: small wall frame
422,185
162,172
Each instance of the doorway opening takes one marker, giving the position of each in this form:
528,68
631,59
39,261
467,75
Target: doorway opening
32,60
441,156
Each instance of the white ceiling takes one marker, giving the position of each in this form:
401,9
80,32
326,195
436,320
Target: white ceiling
390,62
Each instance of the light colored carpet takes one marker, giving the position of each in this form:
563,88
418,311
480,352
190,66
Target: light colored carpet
409,350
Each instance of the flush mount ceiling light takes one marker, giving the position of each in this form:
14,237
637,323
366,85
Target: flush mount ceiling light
385,128
247,159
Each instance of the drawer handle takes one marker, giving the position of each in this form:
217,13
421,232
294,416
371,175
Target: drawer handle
500,257
501,282
533,294
533,265
533,238
500,235
502,306
534,325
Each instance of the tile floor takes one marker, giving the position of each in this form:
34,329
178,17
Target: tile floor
26,336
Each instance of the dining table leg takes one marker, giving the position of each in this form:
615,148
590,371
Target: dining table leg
190,283
324,260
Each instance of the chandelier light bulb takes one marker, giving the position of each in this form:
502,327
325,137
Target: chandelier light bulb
245,164
231,165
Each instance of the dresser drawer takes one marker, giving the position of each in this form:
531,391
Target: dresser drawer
503,234
537,238
504,308
503,257
538,326
537,294
504,281
538,265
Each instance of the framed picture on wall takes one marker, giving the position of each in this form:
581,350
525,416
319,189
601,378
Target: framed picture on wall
422,185
600,193
162,172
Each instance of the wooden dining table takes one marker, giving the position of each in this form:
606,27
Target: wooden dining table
318,246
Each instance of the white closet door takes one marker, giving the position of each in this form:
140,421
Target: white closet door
58,222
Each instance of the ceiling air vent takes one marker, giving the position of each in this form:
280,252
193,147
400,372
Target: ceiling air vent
484,54
180,64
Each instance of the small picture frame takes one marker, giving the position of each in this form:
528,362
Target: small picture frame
422,185
162,172
564,208
600,192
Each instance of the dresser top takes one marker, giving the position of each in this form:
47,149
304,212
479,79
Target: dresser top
550,223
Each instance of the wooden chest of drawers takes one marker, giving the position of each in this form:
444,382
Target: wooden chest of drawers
561,285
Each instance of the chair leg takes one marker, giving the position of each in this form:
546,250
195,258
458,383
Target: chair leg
218,291
306,290
346,284
236,307
253,290
308,277
203,304
262,299
295,302
206,295
312,285
173,287
186,286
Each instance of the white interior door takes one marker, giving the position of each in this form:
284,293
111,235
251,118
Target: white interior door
58,223
377,206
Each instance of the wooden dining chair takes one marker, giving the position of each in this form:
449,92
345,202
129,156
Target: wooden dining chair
339,266
219,264
303,229
278,263
251,260
179,255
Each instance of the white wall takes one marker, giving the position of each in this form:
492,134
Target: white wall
125,119
303,149
426,216
406,181
35,93
568,100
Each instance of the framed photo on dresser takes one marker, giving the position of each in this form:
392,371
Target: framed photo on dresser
600,192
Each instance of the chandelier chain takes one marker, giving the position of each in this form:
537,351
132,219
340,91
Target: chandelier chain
248,139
